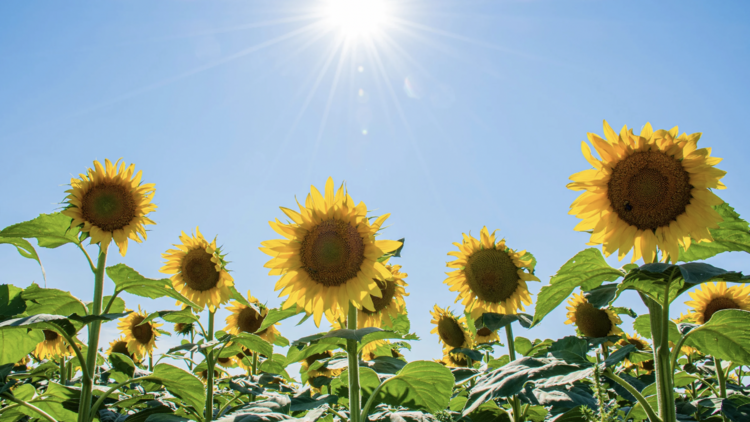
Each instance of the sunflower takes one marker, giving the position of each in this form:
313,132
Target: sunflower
647,190
247,319
713,297
454,360
110,203
52,346
226,362
140,338
120,345
640,344
244,359
199,271
329,257
322,371
203,375
485,335
685,318
489,276
370,350
387,307
590,321
451,330
183,329
22,364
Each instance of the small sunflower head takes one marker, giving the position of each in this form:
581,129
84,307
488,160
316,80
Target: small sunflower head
590,321
52,346
184,328
452,331
713,297
139,335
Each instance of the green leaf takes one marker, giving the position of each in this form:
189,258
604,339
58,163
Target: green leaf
348,334
420,385
41,321
368,381
296,355
602,295
401,324
88,319
25,249
254,343
494,322
123,367
129,280
586,270
51,301
50,230
184,316
736,407
118,305
16,344
637,413
725,336
274,367
642,326
733,234
572,415
181,384
489,412
11,302
277,314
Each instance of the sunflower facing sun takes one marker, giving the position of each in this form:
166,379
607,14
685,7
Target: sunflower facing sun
489,276
248,319
590,321
140,338
329,257
451,330
199,271
713,297
109,202
647,191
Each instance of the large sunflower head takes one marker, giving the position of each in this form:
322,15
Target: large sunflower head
109,202
590,321
329,256
140,338
52,346
489,276
248,319
647,190
390,304
713,297
322,371
452,331
199,271
120,345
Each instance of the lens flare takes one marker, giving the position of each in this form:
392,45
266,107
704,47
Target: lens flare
356,17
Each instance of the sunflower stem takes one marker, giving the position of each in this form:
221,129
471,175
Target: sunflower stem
722,382
210,370
63,371
351,350
642,400
255,363
514,402
30,406
87,384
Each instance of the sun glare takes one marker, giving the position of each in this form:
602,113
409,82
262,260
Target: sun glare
356,17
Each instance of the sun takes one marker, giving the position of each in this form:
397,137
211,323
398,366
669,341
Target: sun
356,17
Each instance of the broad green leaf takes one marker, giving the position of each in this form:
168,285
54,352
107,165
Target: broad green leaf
296,355
725,336
129,280
25,249
305,401
277,314
489,412
16,344
132,401
384,364
11,302
51,301
420,385
274,367
523,345
602,295
123,367
642,326
637,413
383,335
572,415
401,324
733,234
117,306
88,319
41,321
494,322
184,316
348,334
181,384
736,407
563,398
587,270
254,343
50,230
368,381
58,402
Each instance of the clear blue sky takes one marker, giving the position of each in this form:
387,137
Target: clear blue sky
234,107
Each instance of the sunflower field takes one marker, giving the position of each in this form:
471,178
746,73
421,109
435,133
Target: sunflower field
651,194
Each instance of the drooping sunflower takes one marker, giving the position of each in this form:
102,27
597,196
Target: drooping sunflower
183,329
452,331
247,319
22,364
713,297
647,190
203,374
226,362
485,335
590,321
370,351
109,202
140,338
328,258
640,344
489,276
322,371
454,360
52,346
120,345
199,271
244,359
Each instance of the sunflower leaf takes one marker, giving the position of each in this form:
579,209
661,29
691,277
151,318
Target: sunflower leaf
642,325
726,336
50,230
184,316
11,301
419,385
88,319
56,323
277,314
602,295
348,334
16,344
181,384
123,367
494,322
253,343
587,270
733,234
129,280
368,381
51,301
736,408
472,354
25,249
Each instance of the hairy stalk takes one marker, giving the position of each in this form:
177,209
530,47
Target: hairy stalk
30,406
63,371
514,402
644,403
96,309
210,370
351,350
722,382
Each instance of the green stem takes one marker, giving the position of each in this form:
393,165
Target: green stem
514,402
676,354
90,363
88,258
111,390
351,350
210,370
722,382
605,351
30,406
644,403
63,372
226,405
255,363
151,362
366,409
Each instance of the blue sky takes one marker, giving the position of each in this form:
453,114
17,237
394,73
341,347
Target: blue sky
473,110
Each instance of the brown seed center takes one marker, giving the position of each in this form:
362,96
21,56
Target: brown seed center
450,332
142,333
717,305
649,189
109,206
121,347
318,356
388,291
50,335
332,252
224,361
459,360
249,320
484,332
637,343
198,271
592,322
492,275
